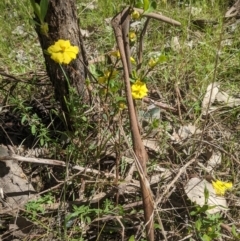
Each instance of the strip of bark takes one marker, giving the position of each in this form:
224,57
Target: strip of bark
120,25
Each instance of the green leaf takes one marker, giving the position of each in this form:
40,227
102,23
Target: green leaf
88,219
157,226
193,213
131,238
23,119
146,5
36,9
205,237
206,194
152,6
84,118
41,141
162,58
139,4
33,129
43,9
198,224
44,29
204,208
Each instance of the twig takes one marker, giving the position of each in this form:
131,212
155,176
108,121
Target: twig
8,155
140,52
13,78
15,157
159,104
166,192
159,17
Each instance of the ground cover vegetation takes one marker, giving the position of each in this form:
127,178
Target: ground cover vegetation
85,182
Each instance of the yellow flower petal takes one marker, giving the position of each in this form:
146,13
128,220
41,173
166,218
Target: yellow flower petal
221,187
139,90
63,43
122,105
107,76
54,49
116,54
133,61
57,57
135,15
63,52
152,62
132,36
72,50
66,58
102,80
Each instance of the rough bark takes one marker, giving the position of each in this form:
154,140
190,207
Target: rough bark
62,21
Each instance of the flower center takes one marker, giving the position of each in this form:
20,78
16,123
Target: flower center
62,48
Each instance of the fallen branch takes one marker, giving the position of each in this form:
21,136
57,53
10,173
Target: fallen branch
159,104
158,16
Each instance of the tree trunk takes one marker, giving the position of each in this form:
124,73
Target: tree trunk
62,22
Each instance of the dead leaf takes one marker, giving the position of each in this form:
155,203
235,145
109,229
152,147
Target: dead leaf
210,96
152,144
228,100
175,45
184,132
215,160
195,192
85,33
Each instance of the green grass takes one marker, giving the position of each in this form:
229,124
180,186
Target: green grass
189,71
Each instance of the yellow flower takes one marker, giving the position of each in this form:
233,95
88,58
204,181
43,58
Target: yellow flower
139,90
102,80
132,36
63,52
116,54
221,187
107,74
121,105
152,62
133,61
135,15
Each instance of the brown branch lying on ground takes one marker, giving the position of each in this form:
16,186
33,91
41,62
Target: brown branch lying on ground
159,104
31,75
8,155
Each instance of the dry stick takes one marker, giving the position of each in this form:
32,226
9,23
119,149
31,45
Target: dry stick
118,22
160,104
140,52
32,160
158,17
178,102
9,156
175,179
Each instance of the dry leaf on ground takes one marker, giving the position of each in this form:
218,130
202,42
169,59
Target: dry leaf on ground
210,96
228,100
195,192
